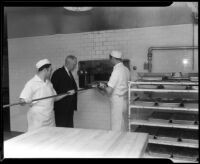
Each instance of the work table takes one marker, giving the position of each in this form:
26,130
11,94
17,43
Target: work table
57,142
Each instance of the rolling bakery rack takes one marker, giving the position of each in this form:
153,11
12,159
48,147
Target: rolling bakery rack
166,107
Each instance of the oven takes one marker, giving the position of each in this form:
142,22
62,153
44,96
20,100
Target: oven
92,71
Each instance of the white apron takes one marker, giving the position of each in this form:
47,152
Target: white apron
41,113
119,113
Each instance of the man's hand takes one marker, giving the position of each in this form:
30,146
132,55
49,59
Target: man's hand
102,85
24,102
71,92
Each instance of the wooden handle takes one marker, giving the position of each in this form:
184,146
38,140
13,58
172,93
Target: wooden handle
8,105
19,103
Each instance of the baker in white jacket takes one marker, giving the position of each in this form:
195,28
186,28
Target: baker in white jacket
117,90
40,112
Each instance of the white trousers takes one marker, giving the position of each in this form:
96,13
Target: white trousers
119,113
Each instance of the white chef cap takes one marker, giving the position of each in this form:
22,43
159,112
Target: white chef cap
42,62
116,54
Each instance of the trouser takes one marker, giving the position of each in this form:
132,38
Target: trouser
119,113
64,119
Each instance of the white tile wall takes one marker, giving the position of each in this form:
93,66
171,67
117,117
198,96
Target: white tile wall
93,108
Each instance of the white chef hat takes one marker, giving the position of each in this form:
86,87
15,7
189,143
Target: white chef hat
116,54
42,62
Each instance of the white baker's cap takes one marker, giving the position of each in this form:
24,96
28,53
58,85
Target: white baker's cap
42,62
116,54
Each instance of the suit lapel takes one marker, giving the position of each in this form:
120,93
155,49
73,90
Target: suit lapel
64,70
71,78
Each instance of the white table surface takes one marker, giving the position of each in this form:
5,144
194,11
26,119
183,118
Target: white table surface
56,142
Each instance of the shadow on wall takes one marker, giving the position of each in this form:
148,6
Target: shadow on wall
55,20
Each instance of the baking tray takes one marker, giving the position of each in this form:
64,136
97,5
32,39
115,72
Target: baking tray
184,118
195,87
174,95
139,94
168,100
153,74
144,103
169,104
147,129
155,102
185,153
175,87
179,78
193,74
163,117
151,79
146,86
157,150
191,136
195,79
191,105
170,134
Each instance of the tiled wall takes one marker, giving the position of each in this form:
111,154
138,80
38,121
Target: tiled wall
93,108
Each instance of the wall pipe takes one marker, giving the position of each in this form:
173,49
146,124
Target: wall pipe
193,45
150,55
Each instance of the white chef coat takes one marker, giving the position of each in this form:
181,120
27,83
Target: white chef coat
41,112
119,79
119,98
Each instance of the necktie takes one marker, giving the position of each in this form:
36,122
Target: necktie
70,75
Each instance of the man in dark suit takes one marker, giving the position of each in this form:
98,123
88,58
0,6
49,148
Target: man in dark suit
63,81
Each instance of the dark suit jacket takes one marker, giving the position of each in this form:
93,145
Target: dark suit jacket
63,83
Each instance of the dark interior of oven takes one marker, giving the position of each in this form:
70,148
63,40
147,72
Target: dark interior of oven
90,71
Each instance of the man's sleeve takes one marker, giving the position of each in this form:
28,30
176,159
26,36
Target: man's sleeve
27,93
56,82
113,79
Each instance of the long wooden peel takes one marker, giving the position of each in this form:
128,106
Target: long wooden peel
67,93
19,103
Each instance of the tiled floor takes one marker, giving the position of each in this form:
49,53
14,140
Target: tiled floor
8,134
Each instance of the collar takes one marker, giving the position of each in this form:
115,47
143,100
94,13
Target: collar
37,78
118,65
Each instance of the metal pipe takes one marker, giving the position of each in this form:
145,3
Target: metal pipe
150,49
193,45
172,48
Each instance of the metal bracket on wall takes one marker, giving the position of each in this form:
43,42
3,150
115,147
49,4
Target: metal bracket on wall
150,54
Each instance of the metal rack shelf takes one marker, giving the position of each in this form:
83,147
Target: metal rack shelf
165,104
172,143
165,108
161,124
164,83
146,155
163,90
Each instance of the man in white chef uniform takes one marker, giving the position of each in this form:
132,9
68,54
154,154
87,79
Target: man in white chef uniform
117,90
41,112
